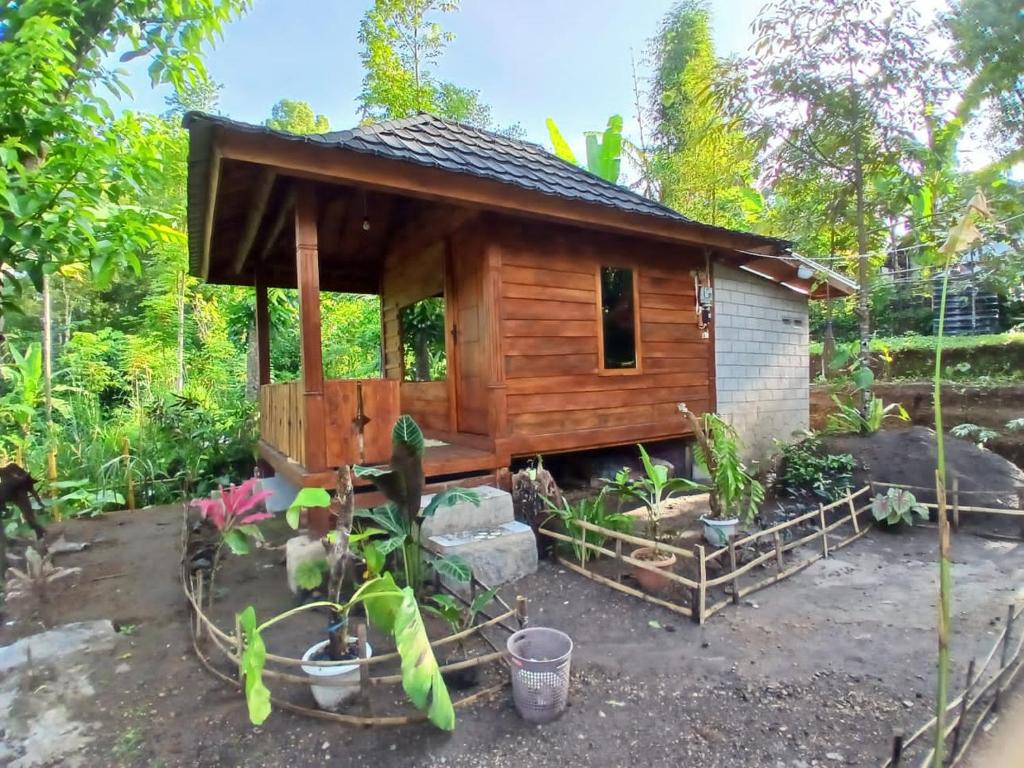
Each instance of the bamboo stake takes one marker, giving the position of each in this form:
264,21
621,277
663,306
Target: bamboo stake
945,589
702,579
824,531
971,680
778,551
618,556
521,615
364,669
853,515
638,540
732,569
1003,654
128,472
897,748
239,647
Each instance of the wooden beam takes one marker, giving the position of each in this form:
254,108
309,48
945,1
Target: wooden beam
211,209
262,332
337,165
277,226
307,271
260,198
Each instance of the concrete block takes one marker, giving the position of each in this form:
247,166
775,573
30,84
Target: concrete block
283,493
495,509
298,550
497,555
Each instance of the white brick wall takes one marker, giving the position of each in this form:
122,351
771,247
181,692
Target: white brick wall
760,358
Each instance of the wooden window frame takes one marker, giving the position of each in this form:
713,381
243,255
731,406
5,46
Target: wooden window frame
638,369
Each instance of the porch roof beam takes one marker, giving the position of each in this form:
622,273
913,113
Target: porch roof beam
258,206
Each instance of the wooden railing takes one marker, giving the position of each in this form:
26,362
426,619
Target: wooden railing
283,419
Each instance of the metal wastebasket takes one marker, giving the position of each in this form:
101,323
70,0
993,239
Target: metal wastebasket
539,659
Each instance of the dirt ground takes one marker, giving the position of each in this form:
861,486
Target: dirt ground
816,670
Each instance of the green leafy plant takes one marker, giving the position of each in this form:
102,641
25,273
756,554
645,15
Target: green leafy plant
594,510
457,616
400,519
732,491
898,505
390,609
652,490
806,466
978,434
847,418
604,149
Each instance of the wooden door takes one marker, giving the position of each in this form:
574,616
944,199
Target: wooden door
470,339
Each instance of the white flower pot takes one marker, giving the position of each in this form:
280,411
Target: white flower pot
344,684
718,532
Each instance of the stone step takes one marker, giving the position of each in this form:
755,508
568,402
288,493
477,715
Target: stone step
497,554
495,509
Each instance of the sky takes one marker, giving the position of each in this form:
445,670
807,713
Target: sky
530,59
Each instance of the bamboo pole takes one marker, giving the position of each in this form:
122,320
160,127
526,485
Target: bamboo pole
971,680
629,539
1003,654
956,509
129,480
624,558
521,615
853,515
945,598
625,589
702,579
779,561
732,570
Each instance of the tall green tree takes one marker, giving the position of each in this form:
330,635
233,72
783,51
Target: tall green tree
296,117
703,161
402,42
69,170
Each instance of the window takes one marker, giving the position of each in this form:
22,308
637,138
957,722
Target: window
421,326
618,318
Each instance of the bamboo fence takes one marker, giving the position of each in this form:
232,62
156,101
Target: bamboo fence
781,539
227,647
984,687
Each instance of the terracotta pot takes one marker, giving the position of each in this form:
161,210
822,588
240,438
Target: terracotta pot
650,580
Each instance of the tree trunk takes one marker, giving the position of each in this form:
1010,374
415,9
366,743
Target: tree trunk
47,351
863,271
338,556
252,366
421,351
179,380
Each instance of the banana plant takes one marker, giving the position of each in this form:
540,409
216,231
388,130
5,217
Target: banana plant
604,149
390,609
402,484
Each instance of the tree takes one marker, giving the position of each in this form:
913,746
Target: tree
829,81
71,167
987,36
402,44
296,117
703,162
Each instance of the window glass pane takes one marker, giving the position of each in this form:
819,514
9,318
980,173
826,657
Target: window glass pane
618,317
422,332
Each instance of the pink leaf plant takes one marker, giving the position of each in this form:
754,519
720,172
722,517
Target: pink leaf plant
234,507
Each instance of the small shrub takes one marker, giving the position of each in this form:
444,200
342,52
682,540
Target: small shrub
848,419
806,466
973,432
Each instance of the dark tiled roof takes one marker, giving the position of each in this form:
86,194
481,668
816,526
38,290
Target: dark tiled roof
433,141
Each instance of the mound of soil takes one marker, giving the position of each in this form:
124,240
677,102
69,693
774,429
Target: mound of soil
908,456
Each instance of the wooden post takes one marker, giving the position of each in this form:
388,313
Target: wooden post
732,569
198,595
307,276
779,561
956,510
364,669
897,747
824,534
262,332
521,616
1020,506
968,689
1004,656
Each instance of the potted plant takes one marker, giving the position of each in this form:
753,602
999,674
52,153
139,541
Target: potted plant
651,491
734,495
389,608
459,618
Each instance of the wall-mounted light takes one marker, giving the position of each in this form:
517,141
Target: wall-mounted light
804,272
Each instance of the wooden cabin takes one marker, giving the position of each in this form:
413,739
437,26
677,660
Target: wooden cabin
576,313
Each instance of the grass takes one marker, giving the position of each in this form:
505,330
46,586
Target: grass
894,344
